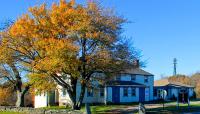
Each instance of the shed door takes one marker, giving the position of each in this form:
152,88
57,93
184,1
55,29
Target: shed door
141,94
116,94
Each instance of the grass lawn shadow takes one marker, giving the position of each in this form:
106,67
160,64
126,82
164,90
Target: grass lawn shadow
174,109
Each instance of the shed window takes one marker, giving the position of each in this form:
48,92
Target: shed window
155,92
159,94
125,91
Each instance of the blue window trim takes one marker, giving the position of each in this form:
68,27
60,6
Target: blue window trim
125,88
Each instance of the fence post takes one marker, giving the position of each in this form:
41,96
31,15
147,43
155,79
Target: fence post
141,109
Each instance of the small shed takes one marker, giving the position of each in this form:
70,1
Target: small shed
174,90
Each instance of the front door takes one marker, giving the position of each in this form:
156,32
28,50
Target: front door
141,94
116,94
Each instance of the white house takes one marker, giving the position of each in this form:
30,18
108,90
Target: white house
174,90
131,85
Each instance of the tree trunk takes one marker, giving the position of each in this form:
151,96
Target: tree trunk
18,87
76,105
72,92
20,96
73,86
20,99
80,101
73,100
83,74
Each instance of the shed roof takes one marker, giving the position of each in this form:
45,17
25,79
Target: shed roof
166,82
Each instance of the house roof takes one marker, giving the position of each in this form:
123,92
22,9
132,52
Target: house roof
124,83
137,71
166,82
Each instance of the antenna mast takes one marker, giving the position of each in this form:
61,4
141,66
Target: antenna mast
175,63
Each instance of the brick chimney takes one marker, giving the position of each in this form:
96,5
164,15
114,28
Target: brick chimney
136,63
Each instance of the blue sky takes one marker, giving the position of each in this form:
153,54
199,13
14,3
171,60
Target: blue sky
162,29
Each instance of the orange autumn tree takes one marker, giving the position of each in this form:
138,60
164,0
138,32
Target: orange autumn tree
11,70
69,41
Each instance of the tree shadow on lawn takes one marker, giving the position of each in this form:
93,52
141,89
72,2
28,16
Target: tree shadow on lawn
173,110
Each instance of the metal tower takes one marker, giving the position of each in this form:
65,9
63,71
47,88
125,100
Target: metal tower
175,63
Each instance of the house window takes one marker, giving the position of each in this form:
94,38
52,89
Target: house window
133,91
125,91
101,92
155,92
118,78
90,92
146,79
133,77
64,92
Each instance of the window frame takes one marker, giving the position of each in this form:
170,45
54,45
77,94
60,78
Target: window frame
155,92
133,79
146,79
90,92
133,88
125,95
64,92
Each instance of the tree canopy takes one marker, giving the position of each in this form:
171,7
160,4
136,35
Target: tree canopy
68,41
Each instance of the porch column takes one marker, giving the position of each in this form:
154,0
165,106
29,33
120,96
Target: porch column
105,95
188,90
177,97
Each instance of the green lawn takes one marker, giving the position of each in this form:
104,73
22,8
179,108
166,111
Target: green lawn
56,108
11,113
194,107
170,108
103,109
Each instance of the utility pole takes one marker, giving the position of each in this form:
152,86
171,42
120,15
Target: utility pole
175,63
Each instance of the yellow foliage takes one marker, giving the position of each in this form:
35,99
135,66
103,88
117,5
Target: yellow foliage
49,39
